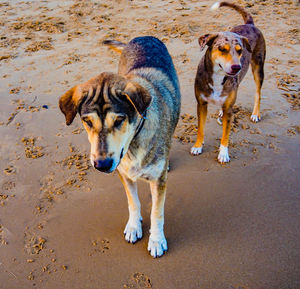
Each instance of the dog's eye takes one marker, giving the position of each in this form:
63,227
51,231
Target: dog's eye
222,49
88,122
119,120
238,49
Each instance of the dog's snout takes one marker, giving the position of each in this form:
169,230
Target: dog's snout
235,68
104,165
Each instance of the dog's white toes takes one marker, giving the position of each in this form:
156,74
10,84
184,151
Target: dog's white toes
133,231
255,118
219,119
223,156
221,113
196,151
157,248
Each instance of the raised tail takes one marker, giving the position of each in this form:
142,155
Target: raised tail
115,45
246,16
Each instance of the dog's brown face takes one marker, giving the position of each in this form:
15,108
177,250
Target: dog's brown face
109,106
226,50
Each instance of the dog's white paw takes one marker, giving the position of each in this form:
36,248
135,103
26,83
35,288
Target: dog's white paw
196,151
221,113
255,118
223,156
157,247
133,231
219,119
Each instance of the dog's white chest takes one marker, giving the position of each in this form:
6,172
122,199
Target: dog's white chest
133,169
217,87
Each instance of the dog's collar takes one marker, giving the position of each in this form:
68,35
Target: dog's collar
224,80
141,124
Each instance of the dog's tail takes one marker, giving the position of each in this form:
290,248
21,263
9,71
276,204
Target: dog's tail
115,45
246,16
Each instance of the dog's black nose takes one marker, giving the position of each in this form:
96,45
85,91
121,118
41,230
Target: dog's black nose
103,165
235,68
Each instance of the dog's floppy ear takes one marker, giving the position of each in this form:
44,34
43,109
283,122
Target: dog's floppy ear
68,104
246,43
138,96
206,39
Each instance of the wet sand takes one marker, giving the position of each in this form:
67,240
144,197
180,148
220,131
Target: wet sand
228,226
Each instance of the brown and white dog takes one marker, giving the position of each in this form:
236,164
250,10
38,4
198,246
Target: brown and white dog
130,117
222,69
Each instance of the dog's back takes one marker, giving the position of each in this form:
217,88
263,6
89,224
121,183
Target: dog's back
147,52
148,58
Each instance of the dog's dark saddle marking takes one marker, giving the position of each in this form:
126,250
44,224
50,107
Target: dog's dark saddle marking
147,52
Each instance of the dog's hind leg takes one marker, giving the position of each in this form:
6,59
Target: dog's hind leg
133,230
157,244
257,65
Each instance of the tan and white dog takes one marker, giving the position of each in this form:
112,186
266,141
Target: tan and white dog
130,118
222,69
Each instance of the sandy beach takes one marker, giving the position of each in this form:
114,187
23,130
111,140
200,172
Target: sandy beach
233,226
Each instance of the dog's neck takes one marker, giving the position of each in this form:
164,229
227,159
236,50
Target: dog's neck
215,82
140,125
218,78
215,75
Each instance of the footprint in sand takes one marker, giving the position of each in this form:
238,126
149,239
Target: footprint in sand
138,281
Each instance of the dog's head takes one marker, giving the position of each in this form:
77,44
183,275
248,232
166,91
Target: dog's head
108,105
226,50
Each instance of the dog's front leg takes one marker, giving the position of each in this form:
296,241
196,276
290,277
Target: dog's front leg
133,230
223,156
157,242
202,113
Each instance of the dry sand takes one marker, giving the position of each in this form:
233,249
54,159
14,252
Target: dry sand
61,222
